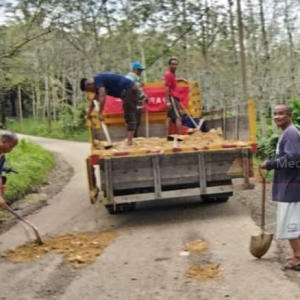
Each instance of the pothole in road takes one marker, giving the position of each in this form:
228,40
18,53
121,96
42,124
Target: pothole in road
202,269
80,249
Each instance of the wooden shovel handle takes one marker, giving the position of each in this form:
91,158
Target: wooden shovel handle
261,173
263,198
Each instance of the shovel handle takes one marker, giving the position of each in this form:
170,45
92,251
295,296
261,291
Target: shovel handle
261,173
20,218
34,228
263,198
106,133
200,124
190,117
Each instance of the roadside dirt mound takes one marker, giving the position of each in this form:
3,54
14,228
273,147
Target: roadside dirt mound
80,249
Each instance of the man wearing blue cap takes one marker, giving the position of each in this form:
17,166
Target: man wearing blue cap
135,76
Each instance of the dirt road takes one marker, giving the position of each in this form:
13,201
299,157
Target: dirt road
145,262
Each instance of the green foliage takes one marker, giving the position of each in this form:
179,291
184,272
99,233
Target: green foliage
40,128
32,162
267,146
295,106
4,215
72,119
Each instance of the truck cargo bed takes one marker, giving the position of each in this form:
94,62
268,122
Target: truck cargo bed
163,176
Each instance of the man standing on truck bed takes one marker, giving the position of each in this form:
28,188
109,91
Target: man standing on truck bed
286,183
172,97
135,76
117,86
7,142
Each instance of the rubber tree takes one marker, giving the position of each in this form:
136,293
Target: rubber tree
242,52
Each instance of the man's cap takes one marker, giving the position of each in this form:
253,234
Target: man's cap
137,65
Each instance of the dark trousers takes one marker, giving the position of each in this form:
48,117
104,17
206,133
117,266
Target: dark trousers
130,100
174,111
138,121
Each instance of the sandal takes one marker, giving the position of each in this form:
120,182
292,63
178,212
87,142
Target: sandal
290,266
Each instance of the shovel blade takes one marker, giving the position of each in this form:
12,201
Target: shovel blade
172,138
260,244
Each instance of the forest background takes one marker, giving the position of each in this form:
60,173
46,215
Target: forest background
46,46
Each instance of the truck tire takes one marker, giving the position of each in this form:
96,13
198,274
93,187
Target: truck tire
214,199
124,207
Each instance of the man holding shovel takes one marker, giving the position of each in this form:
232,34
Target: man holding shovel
7,142
172,97
286,183
118,86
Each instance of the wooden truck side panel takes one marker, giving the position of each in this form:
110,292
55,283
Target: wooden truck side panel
158,173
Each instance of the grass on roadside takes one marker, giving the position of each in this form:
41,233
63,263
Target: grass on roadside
40,128
4,215
33,163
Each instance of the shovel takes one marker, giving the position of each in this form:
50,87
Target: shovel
260,244
107,136
173,138
35,230
190,117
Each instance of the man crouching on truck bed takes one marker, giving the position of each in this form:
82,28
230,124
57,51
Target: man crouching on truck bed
117,86
7,142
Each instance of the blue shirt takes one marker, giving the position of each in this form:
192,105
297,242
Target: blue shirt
186,121
2,162
286,181
113,83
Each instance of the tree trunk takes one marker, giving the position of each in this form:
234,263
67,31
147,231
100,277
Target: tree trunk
54,99
20,117
3,114
64,94
33,102
242,52
234,51
47,102
293,62
184,42
38,101
266,82
144,63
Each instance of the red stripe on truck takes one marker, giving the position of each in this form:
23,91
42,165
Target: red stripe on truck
226,146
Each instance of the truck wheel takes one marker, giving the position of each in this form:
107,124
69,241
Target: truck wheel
214,199
124,207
